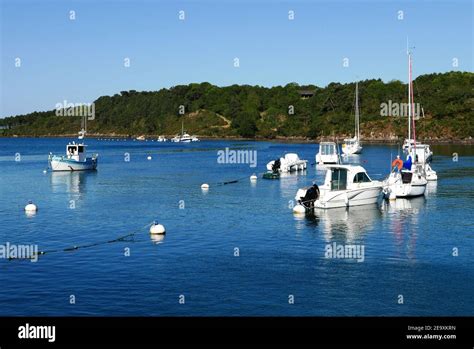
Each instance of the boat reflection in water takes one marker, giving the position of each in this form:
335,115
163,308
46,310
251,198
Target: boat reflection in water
347,225
403,219
71,182
289,182
431,188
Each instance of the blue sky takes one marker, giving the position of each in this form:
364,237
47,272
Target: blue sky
83,59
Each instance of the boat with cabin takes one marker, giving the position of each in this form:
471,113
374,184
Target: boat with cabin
344,186
328,154
76,156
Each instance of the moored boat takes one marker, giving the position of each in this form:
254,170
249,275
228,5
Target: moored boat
328,154
344,186
353,145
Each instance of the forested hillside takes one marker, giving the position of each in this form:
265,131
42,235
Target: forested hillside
254,111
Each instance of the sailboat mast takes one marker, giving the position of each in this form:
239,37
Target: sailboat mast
357,131
409,94
182,128
412,108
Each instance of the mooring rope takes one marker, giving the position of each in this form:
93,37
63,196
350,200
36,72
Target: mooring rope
77,247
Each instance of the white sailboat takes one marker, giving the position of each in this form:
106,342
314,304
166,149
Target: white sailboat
184,137
407,179
353,145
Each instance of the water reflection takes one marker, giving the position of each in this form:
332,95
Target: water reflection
431,188
404,216
74,182
347,224
157,238
289,182
413,205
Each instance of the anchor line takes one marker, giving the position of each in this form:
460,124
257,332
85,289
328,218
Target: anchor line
77,247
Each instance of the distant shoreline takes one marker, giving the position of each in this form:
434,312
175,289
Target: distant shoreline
469,141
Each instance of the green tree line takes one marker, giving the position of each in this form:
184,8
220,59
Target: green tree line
292,110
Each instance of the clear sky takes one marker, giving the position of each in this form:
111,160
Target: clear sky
82,59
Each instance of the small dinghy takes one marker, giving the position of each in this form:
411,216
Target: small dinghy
290,163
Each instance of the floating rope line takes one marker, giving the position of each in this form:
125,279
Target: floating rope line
77,247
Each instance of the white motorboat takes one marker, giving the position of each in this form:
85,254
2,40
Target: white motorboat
75,158
140,138
353,145
328,154
344,186
290,163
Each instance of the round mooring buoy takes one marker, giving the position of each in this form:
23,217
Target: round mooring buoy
253,177
45,171
205,186
299,209
31,207
157,229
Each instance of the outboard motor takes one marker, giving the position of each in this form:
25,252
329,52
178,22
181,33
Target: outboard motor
312,194
276,165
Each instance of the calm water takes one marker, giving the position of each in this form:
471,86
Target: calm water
408,244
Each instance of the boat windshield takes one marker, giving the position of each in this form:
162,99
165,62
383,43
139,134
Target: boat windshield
327,149
338,179
361,177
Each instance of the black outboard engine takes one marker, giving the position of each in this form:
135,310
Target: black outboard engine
276,166
312,194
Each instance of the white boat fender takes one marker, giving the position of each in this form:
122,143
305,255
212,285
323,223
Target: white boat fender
299,209
253,177
31,207
157,229
392,196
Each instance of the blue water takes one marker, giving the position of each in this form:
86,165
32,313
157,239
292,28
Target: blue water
408,244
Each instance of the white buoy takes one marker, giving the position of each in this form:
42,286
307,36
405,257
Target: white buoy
157,229
205,186
149,157
44,171
31,207
299,209
253,177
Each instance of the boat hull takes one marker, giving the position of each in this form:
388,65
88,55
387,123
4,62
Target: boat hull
396,188
352,150
349,198
61,164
